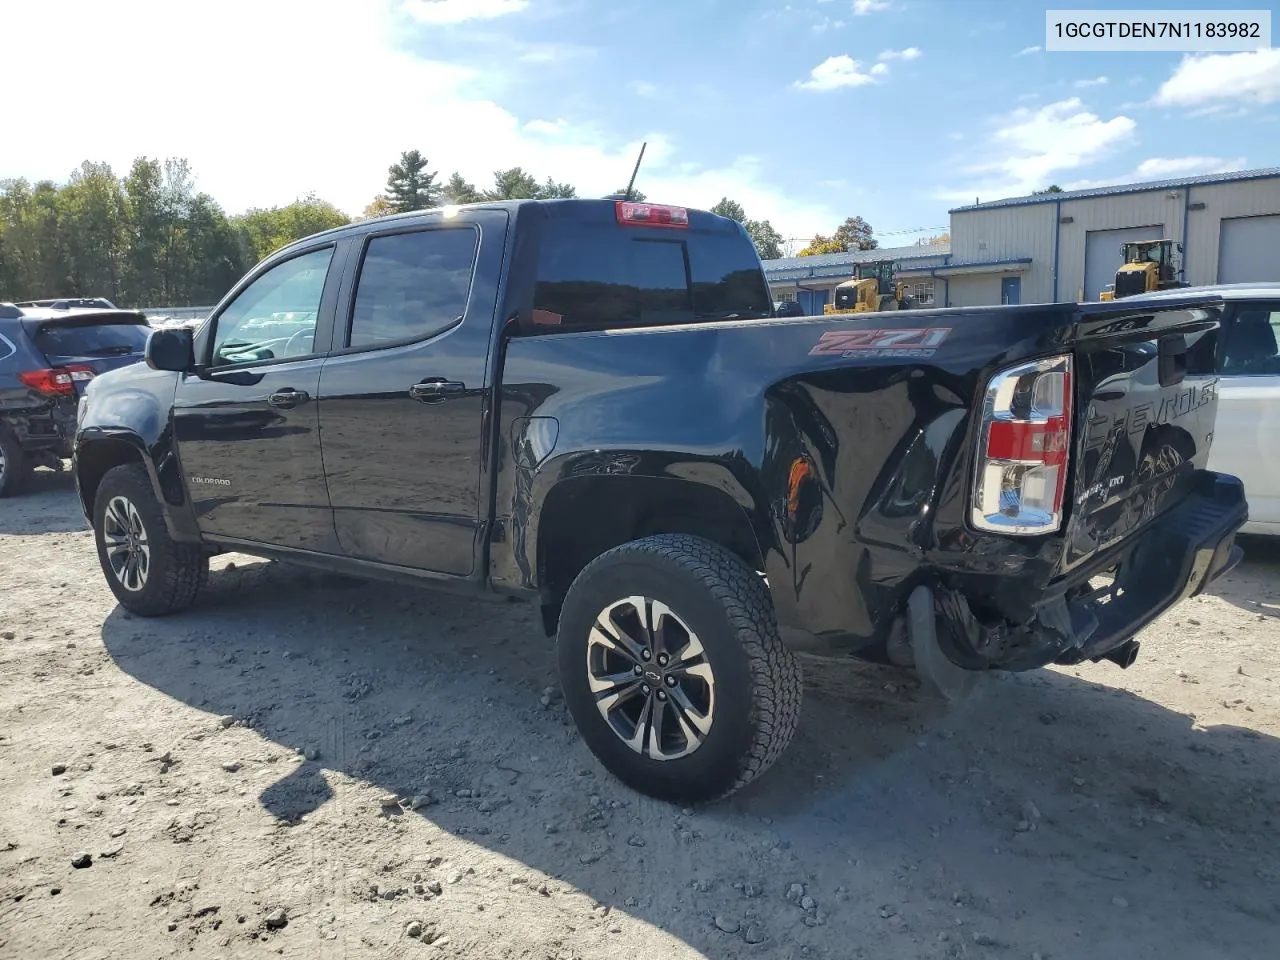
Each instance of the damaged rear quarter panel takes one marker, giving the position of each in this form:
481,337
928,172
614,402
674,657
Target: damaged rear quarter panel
849,459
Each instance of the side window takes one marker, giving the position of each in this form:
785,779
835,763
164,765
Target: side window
1252,342
275,316
412,285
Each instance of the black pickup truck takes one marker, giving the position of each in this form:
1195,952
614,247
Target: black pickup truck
590,404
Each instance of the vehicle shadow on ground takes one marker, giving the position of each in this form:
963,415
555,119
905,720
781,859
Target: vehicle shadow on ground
1036,785
1254,586
42,505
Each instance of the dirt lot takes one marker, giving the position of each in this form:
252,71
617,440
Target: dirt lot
306,767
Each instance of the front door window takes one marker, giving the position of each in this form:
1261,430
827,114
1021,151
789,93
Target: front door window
275,316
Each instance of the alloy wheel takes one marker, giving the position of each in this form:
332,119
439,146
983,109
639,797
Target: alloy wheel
651,678
125,540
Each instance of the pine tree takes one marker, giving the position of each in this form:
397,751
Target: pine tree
410,185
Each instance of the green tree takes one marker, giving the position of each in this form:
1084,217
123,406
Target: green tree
1052,188
731,209
216,257
822,244
458,190
92,229
768,241
143,271
410,185
512,184
637,196
31,256
379,206
263,231
854,234
556,191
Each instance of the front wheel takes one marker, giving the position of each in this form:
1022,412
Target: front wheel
150,573
673,669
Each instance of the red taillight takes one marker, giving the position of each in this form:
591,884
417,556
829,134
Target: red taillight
56,381
631,213
1021,475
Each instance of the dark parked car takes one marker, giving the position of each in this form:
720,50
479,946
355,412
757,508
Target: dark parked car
788,308
590,404
47,356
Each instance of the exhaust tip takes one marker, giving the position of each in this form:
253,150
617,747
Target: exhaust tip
1124,655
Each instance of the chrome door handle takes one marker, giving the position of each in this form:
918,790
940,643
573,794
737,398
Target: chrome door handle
288,397
433,391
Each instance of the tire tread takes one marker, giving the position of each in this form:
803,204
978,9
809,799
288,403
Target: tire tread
182,568
777,686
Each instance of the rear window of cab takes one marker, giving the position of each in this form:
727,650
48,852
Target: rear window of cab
594,275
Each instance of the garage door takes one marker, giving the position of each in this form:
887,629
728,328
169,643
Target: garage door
1247,250
1102,256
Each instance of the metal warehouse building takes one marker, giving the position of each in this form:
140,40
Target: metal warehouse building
1066,246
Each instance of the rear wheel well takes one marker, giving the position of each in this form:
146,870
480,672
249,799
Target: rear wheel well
583,517
93,460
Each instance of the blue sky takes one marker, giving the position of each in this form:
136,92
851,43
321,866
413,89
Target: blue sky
805,111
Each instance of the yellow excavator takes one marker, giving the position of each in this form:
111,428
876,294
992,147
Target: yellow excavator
1148,265
872,288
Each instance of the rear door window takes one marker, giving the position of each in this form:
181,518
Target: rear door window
92,339
1253,342
594,276
412,286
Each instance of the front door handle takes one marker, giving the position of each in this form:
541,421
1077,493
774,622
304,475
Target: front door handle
288,397
433,391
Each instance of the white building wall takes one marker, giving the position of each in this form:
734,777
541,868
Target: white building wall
1006,233
1222,201
978,290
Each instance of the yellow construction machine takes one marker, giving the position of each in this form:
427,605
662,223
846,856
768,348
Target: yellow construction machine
872,288
1148,265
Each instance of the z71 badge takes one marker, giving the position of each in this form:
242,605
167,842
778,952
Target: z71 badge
910,344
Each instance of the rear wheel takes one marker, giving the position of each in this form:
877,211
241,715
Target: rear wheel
673,669
13,463
148,571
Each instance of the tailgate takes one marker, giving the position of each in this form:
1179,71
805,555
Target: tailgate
1146,400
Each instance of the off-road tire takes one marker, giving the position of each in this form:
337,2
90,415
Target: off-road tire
14,470
176,571
726,604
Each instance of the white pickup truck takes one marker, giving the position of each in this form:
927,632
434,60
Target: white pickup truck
1246,440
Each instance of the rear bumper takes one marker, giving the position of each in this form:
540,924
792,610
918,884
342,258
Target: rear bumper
1187,549
1177,557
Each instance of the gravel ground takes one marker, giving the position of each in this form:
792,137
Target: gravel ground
317,768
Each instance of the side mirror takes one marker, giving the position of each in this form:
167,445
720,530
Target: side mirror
170,349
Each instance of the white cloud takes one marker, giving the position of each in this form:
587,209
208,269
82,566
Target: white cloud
643,88
1026,51
1164,168
880,69
1093,82
836,72
1253,77
459,11
1034,146
863,7
548,127
270,154
911,53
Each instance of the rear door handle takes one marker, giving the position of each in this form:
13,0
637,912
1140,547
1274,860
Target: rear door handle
288,397
433,391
